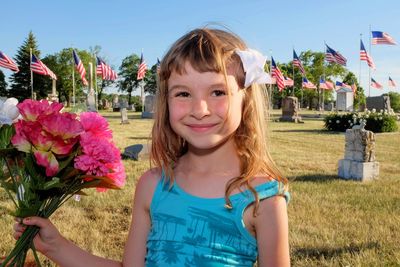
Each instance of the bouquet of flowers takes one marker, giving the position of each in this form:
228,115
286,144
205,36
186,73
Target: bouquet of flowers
48,156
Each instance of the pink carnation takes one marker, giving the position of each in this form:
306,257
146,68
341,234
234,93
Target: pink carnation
94,123
97,152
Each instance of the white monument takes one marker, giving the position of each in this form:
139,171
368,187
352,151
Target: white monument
344,99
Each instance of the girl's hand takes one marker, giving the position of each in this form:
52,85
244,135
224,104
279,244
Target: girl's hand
48,238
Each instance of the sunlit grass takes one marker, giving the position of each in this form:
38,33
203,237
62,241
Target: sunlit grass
332,222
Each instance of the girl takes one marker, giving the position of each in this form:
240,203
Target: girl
215,197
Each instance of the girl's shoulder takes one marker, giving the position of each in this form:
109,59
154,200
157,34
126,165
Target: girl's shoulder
147,184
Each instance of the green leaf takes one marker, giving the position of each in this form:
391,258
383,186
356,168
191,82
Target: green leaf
54,183
6,132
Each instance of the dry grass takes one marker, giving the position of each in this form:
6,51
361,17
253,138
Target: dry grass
332,222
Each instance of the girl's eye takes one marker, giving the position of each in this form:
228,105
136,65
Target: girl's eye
218,93
182,94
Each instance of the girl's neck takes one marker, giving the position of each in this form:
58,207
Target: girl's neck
222,160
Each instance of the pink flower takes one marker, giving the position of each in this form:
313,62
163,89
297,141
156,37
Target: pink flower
31,109
94,123
47,160
96,153
64,125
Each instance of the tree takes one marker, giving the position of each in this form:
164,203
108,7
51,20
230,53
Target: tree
128,75
3,85
315,67
151,80
63,65
394,101
21,81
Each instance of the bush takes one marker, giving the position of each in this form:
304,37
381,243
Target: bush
377,122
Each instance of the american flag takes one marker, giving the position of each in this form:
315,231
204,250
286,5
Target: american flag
375,84
288,82
105,71
342,85
307,84
382,38
277,74
141,69
80,68
297,63
7,62
364,55
38,67
327,85
334,57
391,82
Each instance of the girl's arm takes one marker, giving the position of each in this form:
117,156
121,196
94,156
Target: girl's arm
54,246
271,226
66,254
135,247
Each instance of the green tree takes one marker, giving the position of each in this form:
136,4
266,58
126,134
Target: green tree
3,85
128,75
20,81
394,101
62,63
151,80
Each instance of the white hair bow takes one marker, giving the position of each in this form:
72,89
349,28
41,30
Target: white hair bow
253,64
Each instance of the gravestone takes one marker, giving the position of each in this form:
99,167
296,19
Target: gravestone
115,103
137,152
379,103
149,105
290,109
359,158
91,102
124,116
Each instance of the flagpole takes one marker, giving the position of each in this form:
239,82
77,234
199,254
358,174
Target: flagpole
293,75
73,80
270,86
369,69
359,70
95,81
30,63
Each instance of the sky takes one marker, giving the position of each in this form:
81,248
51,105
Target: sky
123,27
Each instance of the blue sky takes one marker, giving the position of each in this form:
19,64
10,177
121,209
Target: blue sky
123,27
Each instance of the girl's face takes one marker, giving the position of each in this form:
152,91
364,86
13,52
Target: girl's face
198,107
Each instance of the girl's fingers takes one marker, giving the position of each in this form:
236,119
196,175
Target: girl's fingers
40,222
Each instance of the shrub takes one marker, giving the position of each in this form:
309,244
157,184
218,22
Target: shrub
377,122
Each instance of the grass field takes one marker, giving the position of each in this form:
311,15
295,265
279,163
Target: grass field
332,222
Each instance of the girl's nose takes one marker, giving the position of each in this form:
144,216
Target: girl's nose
200,108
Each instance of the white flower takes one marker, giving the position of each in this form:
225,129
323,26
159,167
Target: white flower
337,121
367,116
349,121
8,111
373,110
330,121
380,118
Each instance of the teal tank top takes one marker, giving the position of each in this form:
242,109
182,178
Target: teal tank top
187,230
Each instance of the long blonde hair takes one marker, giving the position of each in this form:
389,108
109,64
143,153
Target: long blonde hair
213,50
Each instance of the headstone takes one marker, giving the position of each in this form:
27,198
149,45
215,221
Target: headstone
137,152
105,104
124,116
379,103
290,109
91,102
344,99
149,104
359,158
329,106
115,103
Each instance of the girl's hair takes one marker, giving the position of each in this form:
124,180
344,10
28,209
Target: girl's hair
213,50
